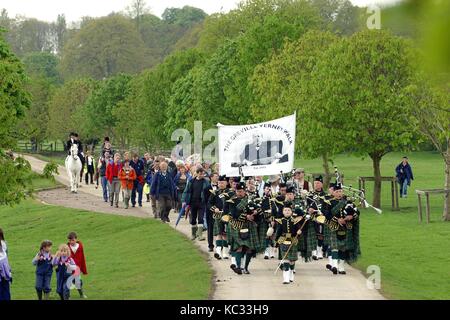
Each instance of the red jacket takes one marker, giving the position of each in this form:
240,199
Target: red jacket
78,257
112,170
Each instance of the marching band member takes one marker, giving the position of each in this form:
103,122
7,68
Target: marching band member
316,204
286,236
242,233
215,205
344,230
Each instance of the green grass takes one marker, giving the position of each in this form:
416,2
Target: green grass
40,183
127,257
59,159
413,257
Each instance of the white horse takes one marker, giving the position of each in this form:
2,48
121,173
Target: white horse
73,167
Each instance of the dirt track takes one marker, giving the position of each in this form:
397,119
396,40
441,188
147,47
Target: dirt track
312,280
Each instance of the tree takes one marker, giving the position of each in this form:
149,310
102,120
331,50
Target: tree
64,108
98,117
103,48
281,88
365,78
42,64
149,97
431,115
136,10
185,16
30,35
60,33
14,101
34,124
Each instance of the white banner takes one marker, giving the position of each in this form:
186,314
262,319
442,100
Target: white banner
260,149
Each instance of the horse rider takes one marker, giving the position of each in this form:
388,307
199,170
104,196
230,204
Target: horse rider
74,139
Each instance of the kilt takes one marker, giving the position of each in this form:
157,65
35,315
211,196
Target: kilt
262,235
234,240
218,227
326,235
308,241
292,254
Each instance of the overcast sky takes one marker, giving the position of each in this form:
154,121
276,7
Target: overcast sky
75,9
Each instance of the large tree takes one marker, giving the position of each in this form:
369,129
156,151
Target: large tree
281,88
14,100
97,117
103,48
64,106
431,110
365,78
33,126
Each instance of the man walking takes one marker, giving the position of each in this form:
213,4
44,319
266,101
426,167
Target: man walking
404,176
196,196
164,192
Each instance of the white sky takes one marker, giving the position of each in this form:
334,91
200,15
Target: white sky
48,10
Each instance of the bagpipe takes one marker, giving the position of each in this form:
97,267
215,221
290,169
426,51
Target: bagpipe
354,195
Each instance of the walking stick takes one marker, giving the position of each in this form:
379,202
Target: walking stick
289,249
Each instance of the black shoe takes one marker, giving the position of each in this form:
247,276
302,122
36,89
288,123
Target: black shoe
266,257
140,205
111,204
315,258
134,206
237,270
334,270
246,271
210,249
342,272
216,255
328,266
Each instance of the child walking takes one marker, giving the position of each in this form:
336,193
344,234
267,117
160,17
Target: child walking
77,254
5,270
127,175
65,266
44,269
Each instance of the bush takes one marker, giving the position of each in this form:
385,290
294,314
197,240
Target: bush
50,170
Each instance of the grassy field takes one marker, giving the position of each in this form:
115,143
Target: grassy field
59,159
40,183
413,257
127,257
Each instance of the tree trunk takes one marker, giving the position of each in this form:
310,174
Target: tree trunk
446,213
376,161
326,168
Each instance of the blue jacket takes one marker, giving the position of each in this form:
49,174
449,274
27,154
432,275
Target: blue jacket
156,185
138,167
404,173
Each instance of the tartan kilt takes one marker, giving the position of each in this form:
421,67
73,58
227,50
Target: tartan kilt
308,241
219,227
293,252
235,241
326,236
262,235
341,245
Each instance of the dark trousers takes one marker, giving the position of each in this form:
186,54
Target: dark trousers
197,211
43,281
89,173
4,290
137,189
210,223
163,206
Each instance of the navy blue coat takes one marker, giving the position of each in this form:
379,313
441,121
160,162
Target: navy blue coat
156,184
404,173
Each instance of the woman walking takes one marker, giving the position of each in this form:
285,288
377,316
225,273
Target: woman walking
112,175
